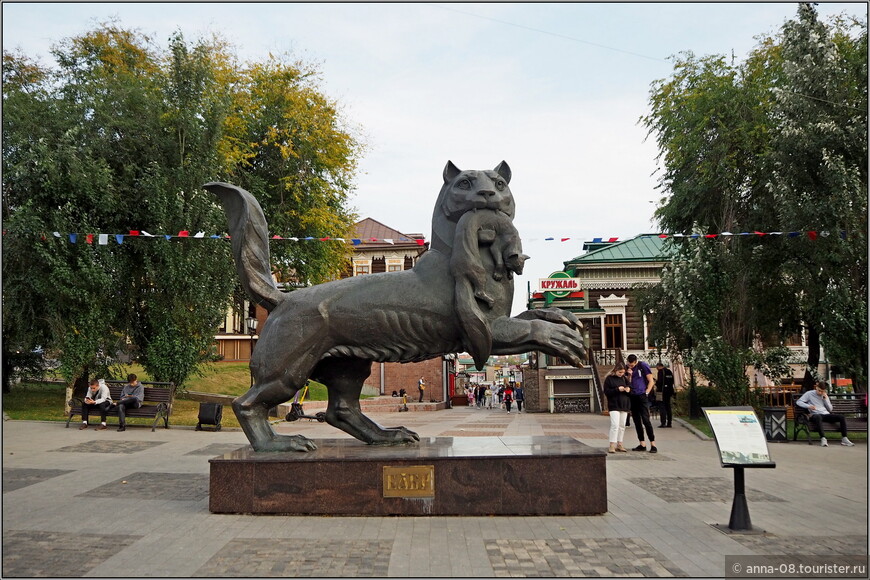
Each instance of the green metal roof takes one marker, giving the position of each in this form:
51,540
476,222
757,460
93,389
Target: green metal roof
642,248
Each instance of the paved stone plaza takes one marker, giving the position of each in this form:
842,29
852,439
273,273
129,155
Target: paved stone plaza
133,504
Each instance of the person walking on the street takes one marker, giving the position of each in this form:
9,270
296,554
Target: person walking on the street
519,397
616,389
132,396
508,398
665,386
97,397
480,396
421,386
819,406
642,382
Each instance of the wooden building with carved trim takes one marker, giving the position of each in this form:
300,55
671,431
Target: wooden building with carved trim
605,280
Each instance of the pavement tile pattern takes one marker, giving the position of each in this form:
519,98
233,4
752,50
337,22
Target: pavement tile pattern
163,486
17,478
602,557
575,434
696,489
641,455
273,558
110,446
35,554
813,545
546,426
47,529
468,433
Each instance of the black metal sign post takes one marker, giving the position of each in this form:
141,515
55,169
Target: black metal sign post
741,443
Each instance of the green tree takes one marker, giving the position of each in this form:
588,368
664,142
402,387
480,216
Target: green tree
721,131
709,123
120,135
294,154
819,183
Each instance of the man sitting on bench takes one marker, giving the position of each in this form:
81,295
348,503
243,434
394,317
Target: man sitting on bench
819,406
99,398
131,397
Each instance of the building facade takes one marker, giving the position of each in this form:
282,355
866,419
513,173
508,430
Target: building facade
601,287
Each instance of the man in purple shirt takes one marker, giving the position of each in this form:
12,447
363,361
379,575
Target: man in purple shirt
642,383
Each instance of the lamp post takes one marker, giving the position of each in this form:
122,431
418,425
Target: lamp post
251,325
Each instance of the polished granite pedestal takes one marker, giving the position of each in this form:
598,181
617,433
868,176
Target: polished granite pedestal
437,476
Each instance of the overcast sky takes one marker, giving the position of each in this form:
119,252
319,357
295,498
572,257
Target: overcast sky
556,90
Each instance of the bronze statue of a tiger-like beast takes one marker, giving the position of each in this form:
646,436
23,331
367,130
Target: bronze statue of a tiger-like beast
456,299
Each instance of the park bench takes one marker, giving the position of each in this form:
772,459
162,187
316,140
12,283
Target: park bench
157,403
852,409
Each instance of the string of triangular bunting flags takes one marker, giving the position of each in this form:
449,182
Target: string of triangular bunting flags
811,234
103,239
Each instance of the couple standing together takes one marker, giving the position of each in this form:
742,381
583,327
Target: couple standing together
627,388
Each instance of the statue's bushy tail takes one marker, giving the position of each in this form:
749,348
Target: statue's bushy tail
249,233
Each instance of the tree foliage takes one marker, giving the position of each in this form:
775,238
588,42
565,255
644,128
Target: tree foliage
296,158
120,135
774,143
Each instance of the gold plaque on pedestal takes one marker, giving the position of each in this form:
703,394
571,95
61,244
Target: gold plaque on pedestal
409,481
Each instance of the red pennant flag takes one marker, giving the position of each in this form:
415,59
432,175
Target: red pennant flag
183,234
565,239
277,237
324,239
760,233
421,242
813,235
711,235
663,236
611,240
134,232
89,238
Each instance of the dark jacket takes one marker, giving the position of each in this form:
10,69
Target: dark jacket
616,400
665,382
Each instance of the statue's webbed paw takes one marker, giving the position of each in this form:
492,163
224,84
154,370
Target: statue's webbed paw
281,443
554,315
395,436
566,342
